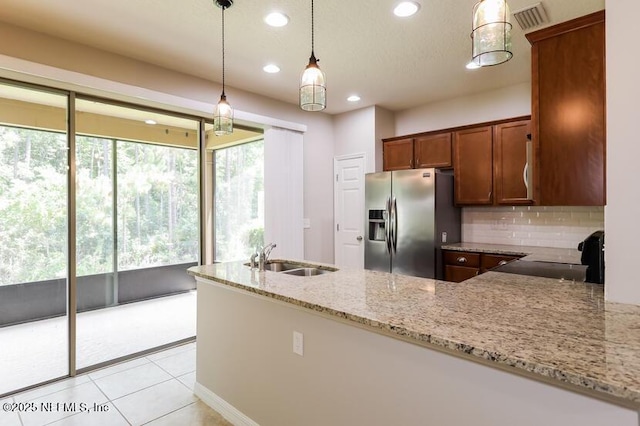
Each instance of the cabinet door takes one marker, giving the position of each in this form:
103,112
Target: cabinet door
473,166
433,151
398,155
568,75
459,273
510,163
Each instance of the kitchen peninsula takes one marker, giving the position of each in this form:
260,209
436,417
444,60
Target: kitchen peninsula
379,348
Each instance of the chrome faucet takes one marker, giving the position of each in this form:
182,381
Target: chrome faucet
252,260
263,257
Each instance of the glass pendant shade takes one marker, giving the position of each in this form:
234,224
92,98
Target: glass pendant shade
223,117
313,90
491,35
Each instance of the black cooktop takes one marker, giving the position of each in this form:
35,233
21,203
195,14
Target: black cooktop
566,271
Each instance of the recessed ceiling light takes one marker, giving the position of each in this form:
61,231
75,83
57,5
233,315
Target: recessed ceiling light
406,8
353,98
271,68
150,121
276,19
472,66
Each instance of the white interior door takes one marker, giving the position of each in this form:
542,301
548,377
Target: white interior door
349,211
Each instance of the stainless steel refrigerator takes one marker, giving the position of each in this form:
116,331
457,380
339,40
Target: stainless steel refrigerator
409,215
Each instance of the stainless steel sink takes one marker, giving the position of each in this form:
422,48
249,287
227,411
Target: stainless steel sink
294,268
281,266
306,272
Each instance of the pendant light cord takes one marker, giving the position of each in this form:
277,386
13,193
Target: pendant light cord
223,8
312,30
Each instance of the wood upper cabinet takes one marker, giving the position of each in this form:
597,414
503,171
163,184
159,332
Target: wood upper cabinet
473,166
397,155
491,161
512,163
568,111
421,152
433,151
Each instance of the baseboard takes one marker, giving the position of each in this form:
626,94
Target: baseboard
228,411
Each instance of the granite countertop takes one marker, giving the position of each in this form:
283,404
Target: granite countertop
558,332
531,253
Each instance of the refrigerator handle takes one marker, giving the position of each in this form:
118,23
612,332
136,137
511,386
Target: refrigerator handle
387,225
394,229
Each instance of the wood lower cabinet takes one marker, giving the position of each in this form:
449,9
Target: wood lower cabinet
398,155
458,274
462,265
512,163
568,110
490,261
433,151
473,166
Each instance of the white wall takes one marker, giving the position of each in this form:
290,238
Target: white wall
622,213
362,130
385,128
355,133
144,83
513,101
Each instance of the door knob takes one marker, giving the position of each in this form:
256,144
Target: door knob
359,238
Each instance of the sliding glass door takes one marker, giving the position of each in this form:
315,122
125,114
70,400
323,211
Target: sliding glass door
137,230
33,237
95,271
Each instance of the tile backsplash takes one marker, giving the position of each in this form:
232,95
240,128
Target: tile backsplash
562,227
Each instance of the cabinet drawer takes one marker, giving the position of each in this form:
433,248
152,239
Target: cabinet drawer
462,258
459,273
492,260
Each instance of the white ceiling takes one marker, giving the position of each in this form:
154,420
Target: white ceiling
363,48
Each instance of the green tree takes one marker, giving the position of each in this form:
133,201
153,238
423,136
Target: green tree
157,205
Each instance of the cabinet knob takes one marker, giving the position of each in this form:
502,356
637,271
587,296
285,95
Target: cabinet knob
502,262
461,259
359,238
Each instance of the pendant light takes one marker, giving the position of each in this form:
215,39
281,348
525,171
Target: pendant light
491,34
313,91
223,114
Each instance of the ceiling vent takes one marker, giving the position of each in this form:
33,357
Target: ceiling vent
531,16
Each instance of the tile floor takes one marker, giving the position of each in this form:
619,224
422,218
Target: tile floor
36,352
156,390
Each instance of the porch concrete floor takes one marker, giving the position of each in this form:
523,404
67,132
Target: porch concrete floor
35,352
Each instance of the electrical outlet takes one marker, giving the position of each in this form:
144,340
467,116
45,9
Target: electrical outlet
298,343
